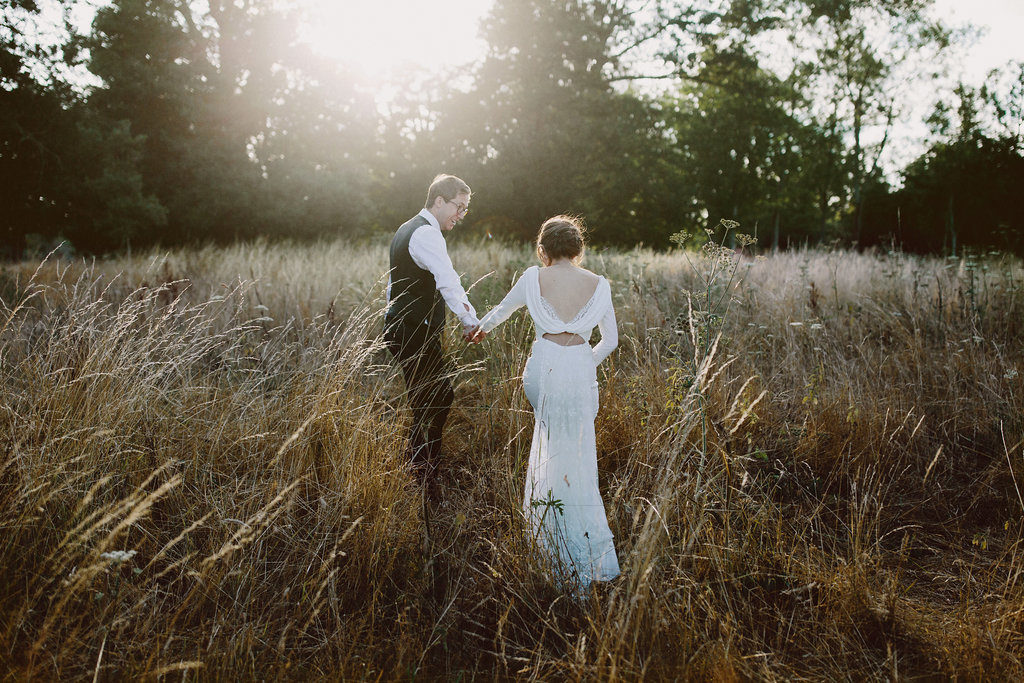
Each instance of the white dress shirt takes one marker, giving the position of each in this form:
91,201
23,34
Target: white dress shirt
429,251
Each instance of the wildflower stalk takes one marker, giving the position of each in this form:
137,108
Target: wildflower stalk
716,268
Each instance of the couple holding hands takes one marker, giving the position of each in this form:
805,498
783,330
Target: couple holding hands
561,503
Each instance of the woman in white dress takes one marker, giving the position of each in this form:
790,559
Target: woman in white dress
562,502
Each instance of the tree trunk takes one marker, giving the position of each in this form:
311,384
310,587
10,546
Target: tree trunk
858,166
951,224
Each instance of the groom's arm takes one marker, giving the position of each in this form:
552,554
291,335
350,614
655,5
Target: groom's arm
429,251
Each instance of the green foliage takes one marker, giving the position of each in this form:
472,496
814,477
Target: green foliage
962,192
741,146
240,141
214,122
107,204
548,134
65,169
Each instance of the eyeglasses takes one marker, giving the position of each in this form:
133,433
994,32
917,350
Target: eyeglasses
460,209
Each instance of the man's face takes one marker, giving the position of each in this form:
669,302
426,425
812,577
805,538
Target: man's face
451,211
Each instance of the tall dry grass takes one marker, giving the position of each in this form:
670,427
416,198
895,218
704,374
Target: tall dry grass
830,491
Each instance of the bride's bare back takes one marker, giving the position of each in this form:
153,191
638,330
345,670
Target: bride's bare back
567,288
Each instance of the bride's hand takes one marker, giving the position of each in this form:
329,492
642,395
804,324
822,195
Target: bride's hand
468,332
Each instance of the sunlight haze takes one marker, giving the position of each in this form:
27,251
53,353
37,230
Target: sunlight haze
377,39
380,38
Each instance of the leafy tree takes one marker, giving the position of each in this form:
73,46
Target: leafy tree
549,134
744,148
843,60
64,171
211,121
155,58
963,191
867,52
245,133
298,116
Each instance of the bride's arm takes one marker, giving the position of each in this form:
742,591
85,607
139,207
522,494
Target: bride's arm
609,336
515,299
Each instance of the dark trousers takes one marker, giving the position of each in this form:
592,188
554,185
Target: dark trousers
428,382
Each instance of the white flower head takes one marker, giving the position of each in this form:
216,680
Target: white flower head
118,556
796,324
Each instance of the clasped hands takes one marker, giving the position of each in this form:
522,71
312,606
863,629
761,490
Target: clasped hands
472,334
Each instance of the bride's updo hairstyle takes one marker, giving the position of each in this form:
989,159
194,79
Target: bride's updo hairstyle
561,237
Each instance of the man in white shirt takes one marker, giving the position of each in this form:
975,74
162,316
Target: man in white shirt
421,282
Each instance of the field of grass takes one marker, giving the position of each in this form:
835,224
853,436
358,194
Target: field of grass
813,469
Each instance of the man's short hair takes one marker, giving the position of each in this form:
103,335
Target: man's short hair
447,187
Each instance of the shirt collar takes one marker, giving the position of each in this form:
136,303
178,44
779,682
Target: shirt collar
430,217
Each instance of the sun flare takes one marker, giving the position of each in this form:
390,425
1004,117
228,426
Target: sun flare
377,39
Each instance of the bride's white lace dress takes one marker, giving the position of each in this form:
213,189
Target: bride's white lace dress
562,502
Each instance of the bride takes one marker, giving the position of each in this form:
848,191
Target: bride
562,503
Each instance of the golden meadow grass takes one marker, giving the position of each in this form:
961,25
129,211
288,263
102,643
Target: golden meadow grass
831,491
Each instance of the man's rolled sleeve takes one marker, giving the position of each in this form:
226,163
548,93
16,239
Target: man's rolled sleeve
429,251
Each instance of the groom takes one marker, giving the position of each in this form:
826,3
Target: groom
421,282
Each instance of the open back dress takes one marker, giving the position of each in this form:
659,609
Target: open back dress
561,502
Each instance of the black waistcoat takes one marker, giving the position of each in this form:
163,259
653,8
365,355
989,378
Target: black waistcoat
414,295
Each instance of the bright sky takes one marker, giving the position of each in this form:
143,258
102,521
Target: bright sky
378,37
1003,24
381,36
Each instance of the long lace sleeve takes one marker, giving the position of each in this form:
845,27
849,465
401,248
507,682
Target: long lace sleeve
514,300
609,336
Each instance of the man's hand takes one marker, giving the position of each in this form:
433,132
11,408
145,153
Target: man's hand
469,331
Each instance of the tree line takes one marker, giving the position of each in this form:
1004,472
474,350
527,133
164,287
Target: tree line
175,122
